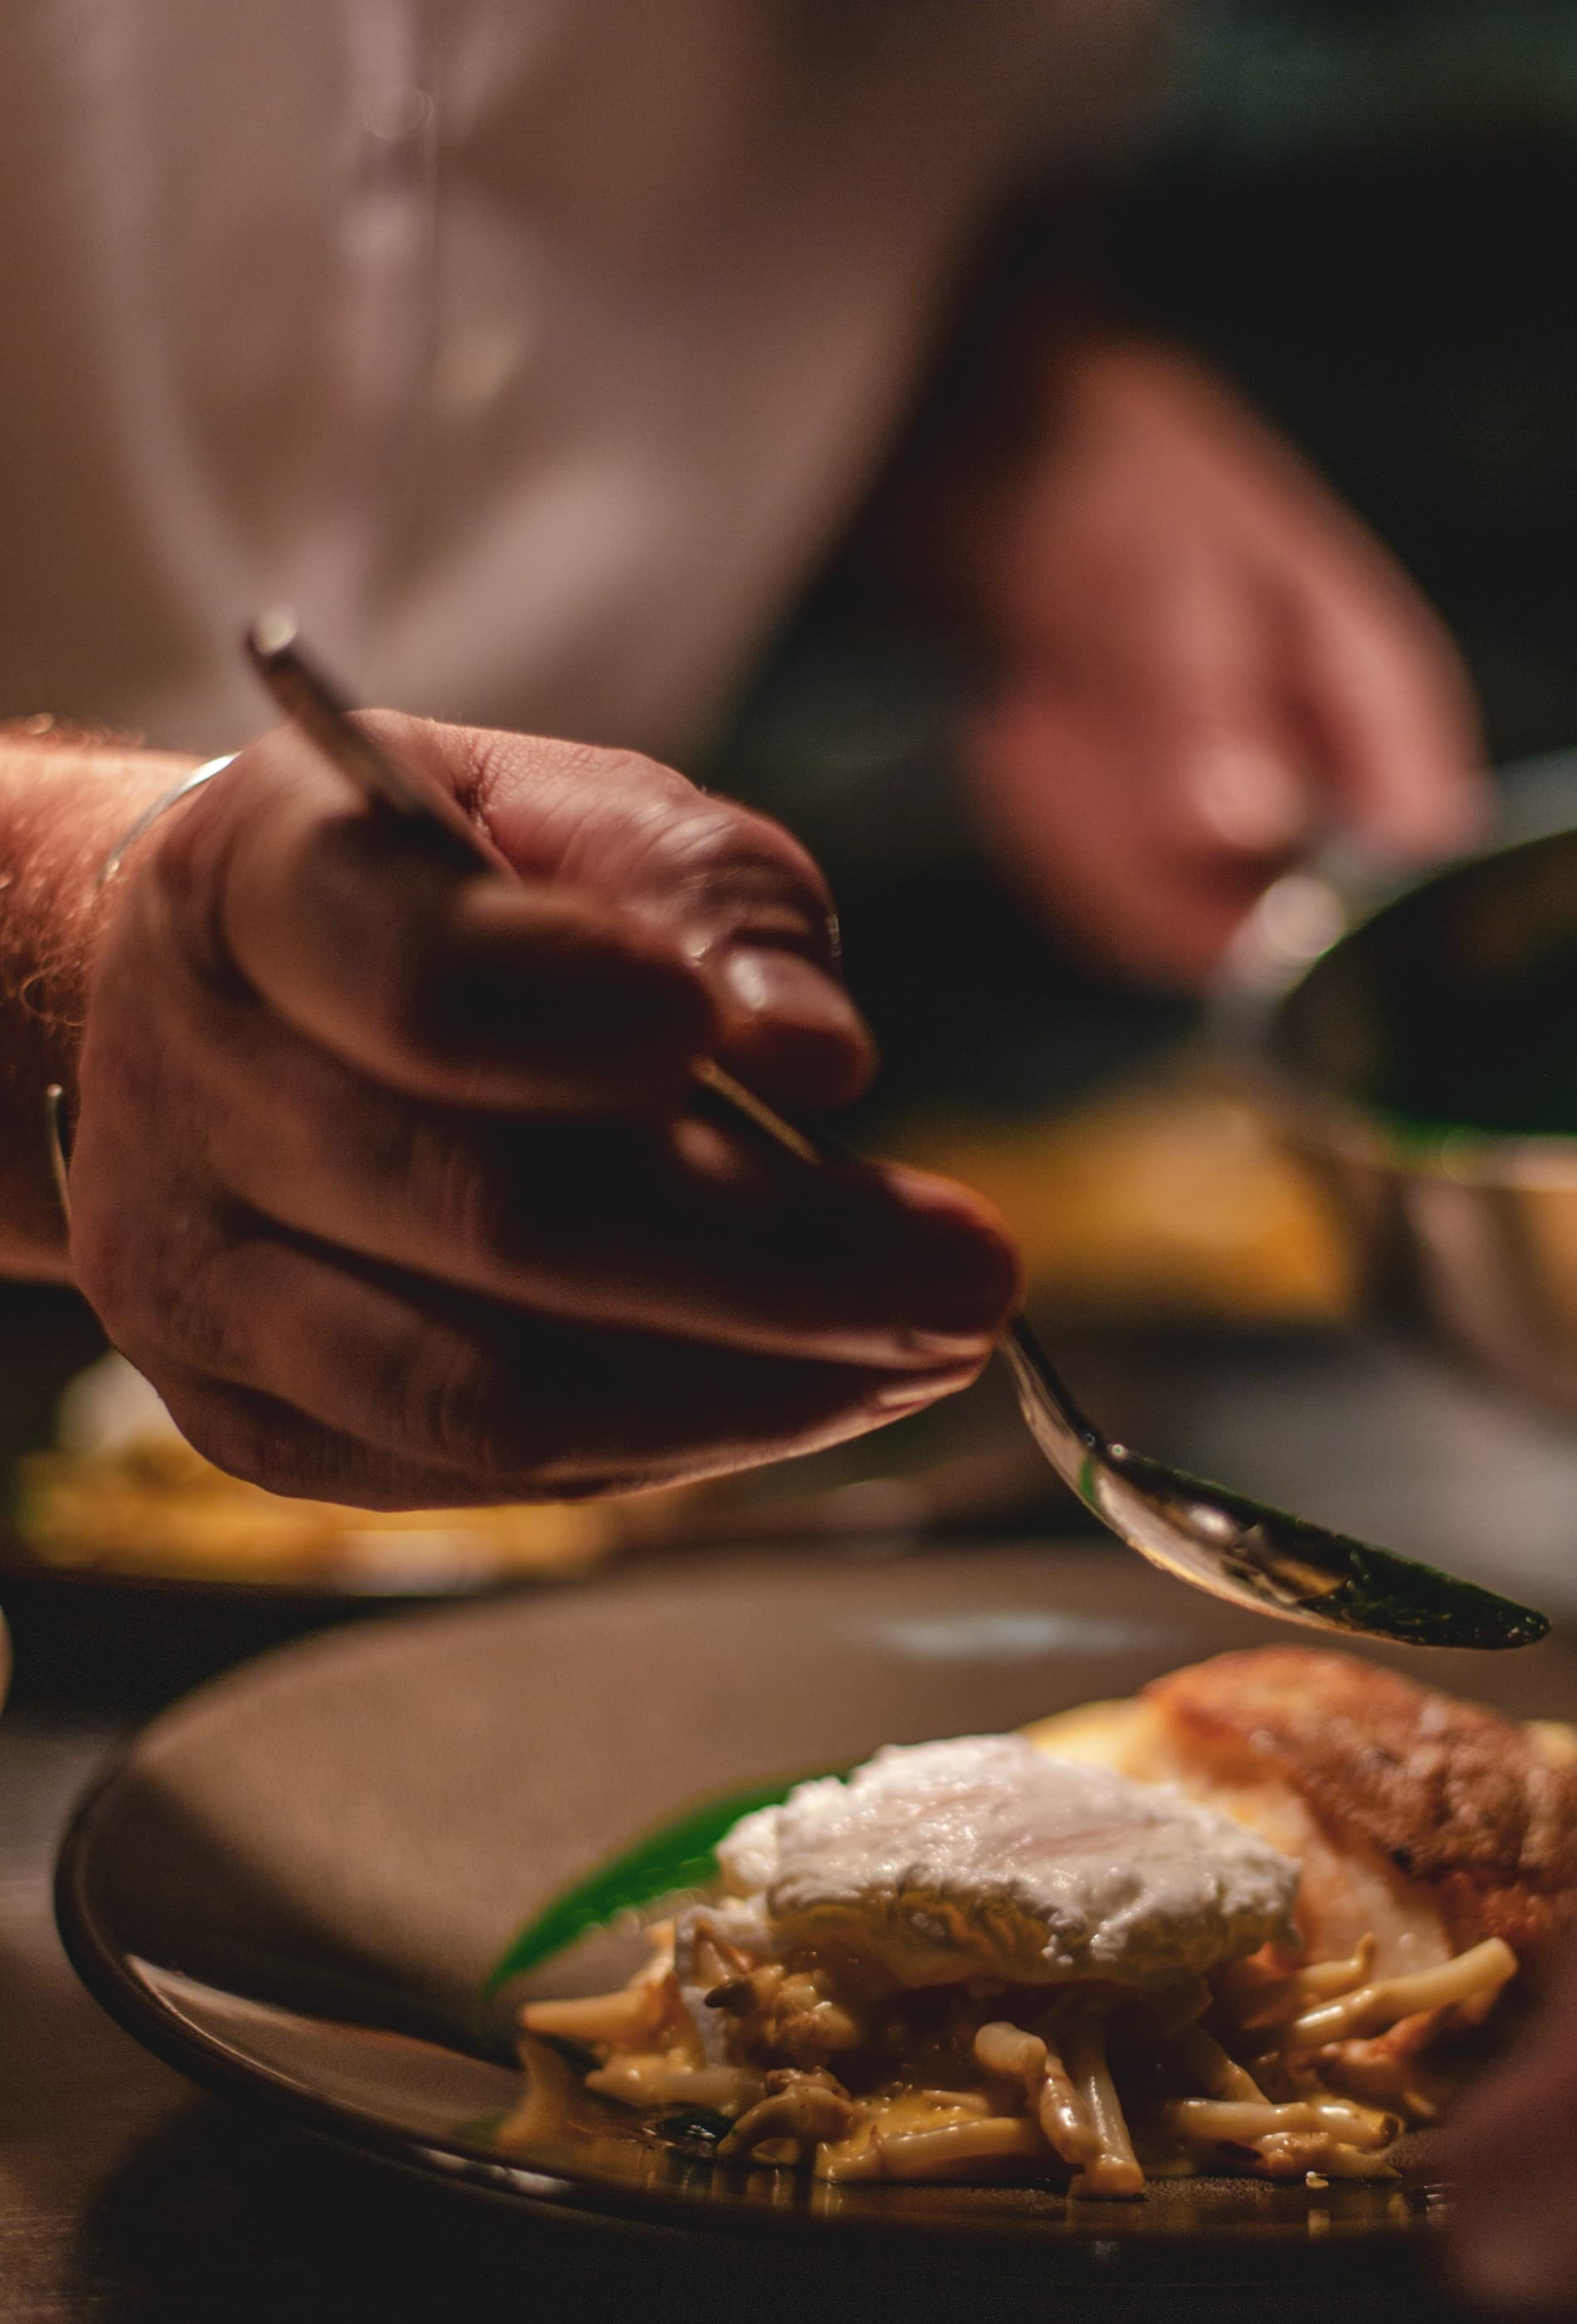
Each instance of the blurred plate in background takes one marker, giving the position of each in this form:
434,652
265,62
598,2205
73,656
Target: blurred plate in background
1425,1066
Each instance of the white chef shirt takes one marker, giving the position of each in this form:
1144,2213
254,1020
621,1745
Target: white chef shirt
532,348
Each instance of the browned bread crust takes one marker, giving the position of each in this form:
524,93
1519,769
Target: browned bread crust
1454,1797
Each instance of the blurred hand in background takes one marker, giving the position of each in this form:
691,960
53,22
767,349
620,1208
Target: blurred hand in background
1205,666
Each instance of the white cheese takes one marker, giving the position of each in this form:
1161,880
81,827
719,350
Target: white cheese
983,1857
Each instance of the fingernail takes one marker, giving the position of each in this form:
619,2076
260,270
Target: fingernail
905,1395
948,1347
785,984
1248,797
963,1269
794,1027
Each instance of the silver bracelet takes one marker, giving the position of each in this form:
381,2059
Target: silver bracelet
56,1129
161,806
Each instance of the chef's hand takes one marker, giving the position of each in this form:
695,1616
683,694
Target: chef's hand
1206,664
1511,2158
384,1173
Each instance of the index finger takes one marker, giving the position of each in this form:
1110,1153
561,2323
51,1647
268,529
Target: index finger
742,897
433,979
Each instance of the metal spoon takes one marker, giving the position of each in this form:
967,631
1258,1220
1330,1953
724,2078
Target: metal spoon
1237,1548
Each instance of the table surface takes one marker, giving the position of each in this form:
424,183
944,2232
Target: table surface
126,2196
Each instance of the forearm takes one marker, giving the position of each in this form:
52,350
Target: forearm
63,805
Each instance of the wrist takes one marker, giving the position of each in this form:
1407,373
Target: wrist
65,801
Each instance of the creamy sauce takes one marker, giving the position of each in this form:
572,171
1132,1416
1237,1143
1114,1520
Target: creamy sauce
984,1856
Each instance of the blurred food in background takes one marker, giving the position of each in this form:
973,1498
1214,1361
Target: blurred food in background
123,1493
1169,1198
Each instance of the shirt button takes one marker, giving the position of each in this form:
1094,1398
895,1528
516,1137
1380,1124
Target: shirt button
397,114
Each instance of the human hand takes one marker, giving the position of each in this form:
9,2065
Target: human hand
1206,666
1511,2157
382,1171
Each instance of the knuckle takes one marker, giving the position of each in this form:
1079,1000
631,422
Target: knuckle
185,875
452,1408
283,1124
116,1269
407,994
459,1199
735,871
259,1441
164,1306
632,829
213,1426
401,731
498,771
110,1284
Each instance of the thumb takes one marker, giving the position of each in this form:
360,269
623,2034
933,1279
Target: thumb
1390,714
1242,792
1227,775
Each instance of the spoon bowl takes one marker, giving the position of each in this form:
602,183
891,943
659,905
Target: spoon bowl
1243,1550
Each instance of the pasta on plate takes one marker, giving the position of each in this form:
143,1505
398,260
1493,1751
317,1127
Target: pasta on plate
1251,1921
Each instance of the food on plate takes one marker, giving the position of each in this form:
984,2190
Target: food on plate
1251,1921
1423,1821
